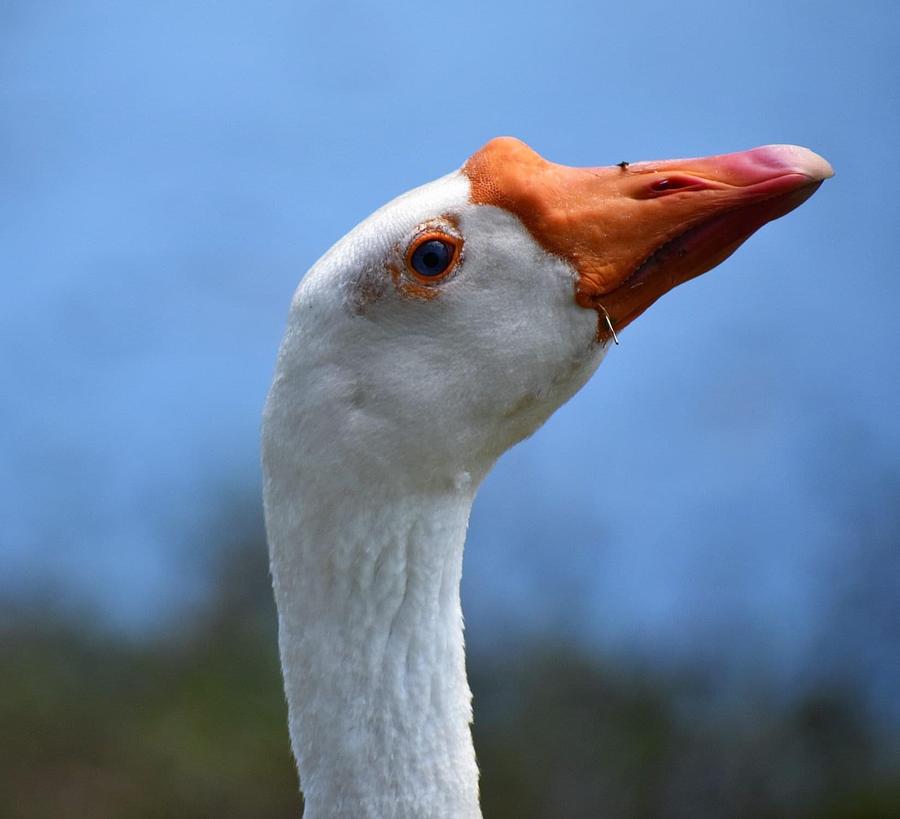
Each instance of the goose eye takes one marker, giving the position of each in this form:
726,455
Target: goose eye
432,257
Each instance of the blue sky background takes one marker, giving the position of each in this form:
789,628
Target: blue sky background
169,170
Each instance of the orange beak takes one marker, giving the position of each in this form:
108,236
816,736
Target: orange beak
633,232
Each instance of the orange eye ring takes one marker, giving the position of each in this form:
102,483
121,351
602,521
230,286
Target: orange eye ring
432,256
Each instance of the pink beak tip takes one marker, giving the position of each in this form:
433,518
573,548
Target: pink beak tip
793,159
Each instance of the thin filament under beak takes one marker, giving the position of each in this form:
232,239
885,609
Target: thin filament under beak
609,323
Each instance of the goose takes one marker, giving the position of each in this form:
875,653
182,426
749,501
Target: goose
443,329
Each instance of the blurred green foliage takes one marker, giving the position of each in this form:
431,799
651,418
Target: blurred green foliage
581,738
193,724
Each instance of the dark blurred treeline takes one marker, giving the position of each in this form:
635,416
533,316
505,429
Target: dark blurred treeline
193,724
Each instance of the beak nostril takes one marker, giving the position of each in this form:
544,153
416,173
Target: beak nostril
670,183
673,183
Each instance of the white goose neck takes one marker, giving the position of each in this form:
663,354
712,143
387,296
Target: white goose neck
371,641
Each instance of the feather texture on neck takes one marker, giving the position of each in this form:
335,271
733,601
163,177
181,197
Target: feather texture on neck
371,642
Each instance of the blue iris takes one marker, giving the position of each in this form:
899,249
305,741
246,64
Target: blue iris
432,258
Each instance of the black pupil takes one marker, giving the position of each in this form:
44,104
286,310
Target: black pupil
432,258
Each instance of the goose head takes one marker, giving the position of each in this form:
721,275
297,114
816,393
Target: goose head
439,332
453,321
